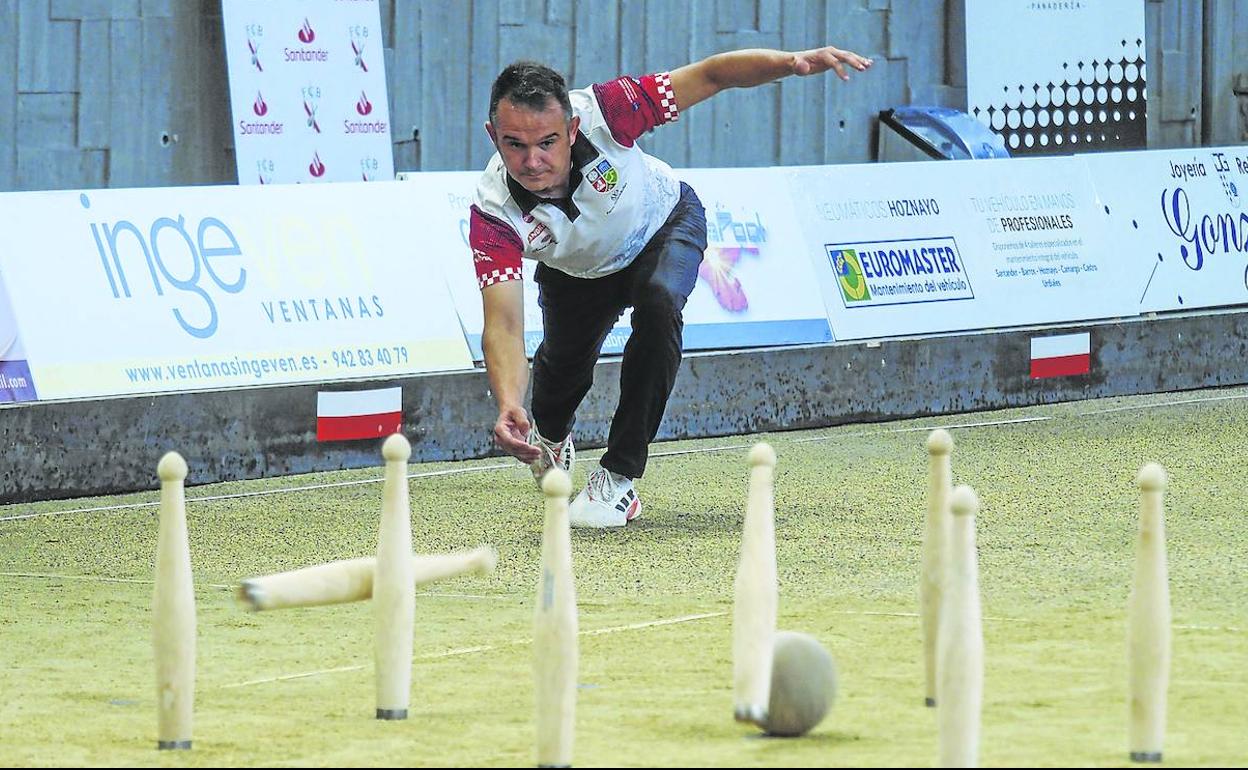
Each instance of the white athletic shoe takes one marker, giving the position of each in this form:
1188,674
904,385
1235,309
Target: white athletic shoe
562,454
608,500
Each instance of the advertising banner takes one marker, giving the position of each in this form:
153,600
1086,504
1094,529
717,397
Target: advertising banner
446,197
16,383
308,91
917,248
167,290
1058,76
755,287
1180,220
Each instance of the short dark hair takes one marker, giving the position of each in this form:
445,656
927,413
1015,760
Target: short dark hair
531,85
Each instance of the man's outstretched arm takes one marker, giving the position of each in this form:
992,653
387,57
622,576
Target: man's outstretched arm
507,366
750,67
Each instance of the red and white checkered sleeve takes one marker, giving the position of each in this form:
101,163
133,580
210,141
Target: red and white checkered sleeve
496,249
633,106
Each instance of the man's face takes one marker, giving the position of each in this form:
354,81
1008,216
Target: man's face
536,146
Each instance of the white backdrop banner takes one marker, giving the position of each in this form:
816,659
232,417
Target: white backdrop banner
446,196
1180,219
756,287
1058,76
308,91
160,290
942,246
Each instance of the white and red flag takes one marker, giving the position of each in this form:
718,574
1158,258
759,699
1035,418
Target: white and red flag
1061,356
357,414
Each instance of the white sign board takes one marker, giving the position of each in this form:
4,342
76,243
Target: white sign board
1180,219
918,248
756,286
1058,76
446,197
166,290
16,382
308,91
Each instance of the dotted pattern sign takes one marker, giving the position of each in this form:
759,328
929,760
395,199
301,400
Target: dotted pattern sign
1092,105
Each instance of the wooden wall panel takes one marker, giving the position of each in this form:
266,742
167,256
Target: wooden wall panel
9,48
118,75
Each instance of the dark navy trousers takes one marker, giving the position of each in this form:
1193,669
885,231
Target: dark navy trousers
577,315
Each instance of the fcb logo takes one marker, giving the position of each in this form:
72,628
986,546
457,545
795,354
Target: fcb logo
603,176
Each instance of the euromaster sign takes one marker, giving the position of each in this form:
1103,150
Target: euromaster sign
163,290
917,248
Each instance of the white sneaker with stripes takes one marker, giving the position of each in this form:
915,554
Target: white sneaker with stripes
562,454
608,500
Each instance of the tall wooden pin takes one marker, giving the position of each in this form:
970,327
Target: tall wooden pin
960,640
394,587
756,594
1148,623
555,651
935,546
173,611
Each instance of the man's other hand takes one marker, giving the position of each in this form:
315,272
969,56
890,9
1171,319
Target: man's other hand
511,433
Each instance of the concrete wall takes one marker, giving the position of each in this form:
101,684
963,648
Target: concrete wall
71,449
126,93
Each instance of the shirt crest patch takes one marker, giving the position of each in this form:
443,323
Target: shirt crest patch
603,176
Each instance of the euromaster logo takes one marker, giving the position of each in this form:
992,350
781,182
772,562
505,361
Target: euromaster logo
900,272
849,275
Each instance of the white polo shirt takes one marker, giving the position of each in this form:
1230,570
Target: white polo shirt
620,196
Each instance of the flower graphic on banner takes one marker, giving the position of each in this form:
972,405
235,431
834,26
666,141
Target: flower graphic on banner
363,106
717,270
730,239
316,168
306,33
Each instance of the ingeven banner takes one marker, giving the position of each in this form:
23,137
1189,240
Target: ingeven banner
148,291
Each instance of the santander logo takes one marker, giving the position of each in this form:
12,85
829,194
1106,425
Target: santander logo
316,168
363,106
306,33
259,106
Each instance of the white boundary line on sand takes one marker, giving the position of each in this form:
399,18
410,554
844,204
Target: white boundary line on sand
986,423
482,648
915,615
141,581
97,579
260,493
672,453
1177,402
